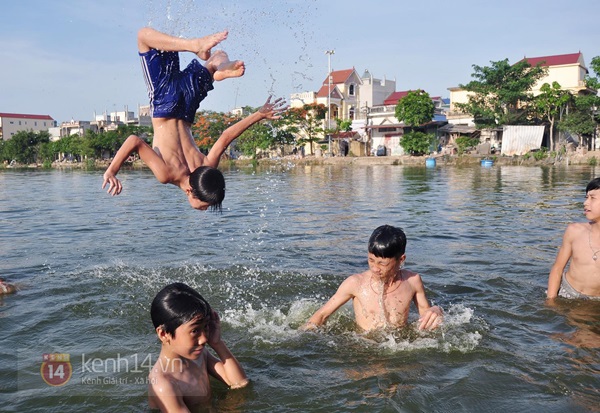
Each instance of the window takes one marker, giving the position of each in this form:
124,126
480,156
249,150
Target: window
35,123
351,112
19,123
351,90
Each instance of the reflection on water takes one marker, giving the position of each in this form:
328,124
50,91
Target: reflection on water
483,240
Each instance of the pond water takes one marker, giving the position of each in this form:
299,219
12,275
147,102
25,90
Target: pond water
483,239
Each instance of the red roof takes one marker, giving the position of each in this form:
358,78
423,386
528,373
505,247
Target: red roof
322,93
25,116
395,97
339,76
557,60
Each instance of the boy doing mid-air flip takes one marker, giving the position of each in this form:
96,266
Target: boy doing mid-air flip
175,96
381,295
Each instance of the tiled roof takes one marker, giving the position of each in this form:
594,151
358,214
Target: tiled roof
339,76
322,93
24,116
557,60
395,97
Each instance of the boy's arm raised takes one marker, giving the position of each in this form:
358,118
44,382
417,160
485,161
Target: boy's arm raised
226,368
267,111
134,144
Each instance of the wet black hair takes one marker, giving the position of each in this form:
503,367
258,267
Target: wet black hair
176,304
208,185
387,242
593,185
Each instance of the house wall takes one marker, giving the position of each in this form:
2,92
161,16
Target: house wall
9,125
570,77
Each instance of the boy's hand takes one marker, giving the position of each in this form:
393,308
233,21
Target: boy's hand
114,185
432,318
214,329
308,327
273,110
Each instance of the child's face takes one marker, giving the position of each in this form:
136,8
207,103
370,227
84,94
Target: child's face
384,268
190,338
591,205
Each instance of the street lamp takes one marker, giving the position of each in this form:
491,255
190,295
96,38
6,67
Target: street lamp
329,53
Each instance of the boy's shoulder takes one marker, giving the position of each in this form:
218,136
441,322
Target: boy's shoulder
576,228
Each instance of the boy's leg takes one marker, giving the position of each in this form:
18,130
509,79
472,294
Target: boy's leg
149,38
221,67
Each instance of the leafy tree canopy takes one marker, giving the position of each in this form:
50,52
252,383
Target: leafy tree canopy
500,93
415,109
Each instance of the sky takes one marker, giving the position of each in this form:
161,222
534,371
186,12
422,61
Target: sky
72,59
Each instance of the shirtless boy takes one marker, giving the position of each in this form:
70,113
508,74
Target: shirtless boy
580,246
174,98
186,324
381,295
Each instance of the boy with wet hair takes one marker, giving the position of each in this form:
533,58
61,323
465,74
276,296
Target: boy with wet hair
581,249
185,325
381,295
175,95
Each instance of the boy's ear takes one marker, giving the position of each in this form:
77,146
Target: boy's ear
402,259
163,336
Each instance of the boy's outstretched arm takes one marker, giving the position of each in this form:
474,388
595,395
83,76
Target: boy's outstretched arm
562,258
267,111
134,144
344,293
226,368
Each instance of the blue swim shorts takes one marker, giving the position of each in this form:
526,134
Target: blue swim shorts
174,93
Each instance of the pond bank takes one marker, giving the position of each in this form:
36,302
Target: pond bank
575,158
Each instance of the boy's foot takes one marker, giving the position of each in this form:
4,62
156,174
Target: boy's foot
222,68
208,42
229,69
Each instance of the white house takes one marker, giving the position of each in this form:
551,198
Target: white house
11,123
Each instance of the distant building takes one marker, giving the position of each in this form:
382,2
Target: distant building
11,123
386,132
74,127
568,70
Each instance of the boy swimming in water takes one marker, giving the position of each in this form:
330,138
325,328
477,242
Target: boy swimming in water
381,295
174,98
185,325
580,246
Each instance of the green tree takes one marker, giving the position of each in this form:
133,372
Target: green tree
307,121
500,93
581,118
266,135
551,103
415,109
24,146
416,142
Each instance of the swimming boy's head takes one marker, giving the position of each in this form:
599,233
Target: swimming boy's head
593,185
387,242
208,188
177,304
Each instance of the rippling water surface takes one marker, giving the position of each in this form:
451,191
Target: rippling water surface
483,239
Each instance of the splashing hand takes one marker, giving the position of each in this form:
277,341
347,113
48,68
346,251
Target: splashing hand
432,318
273,110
